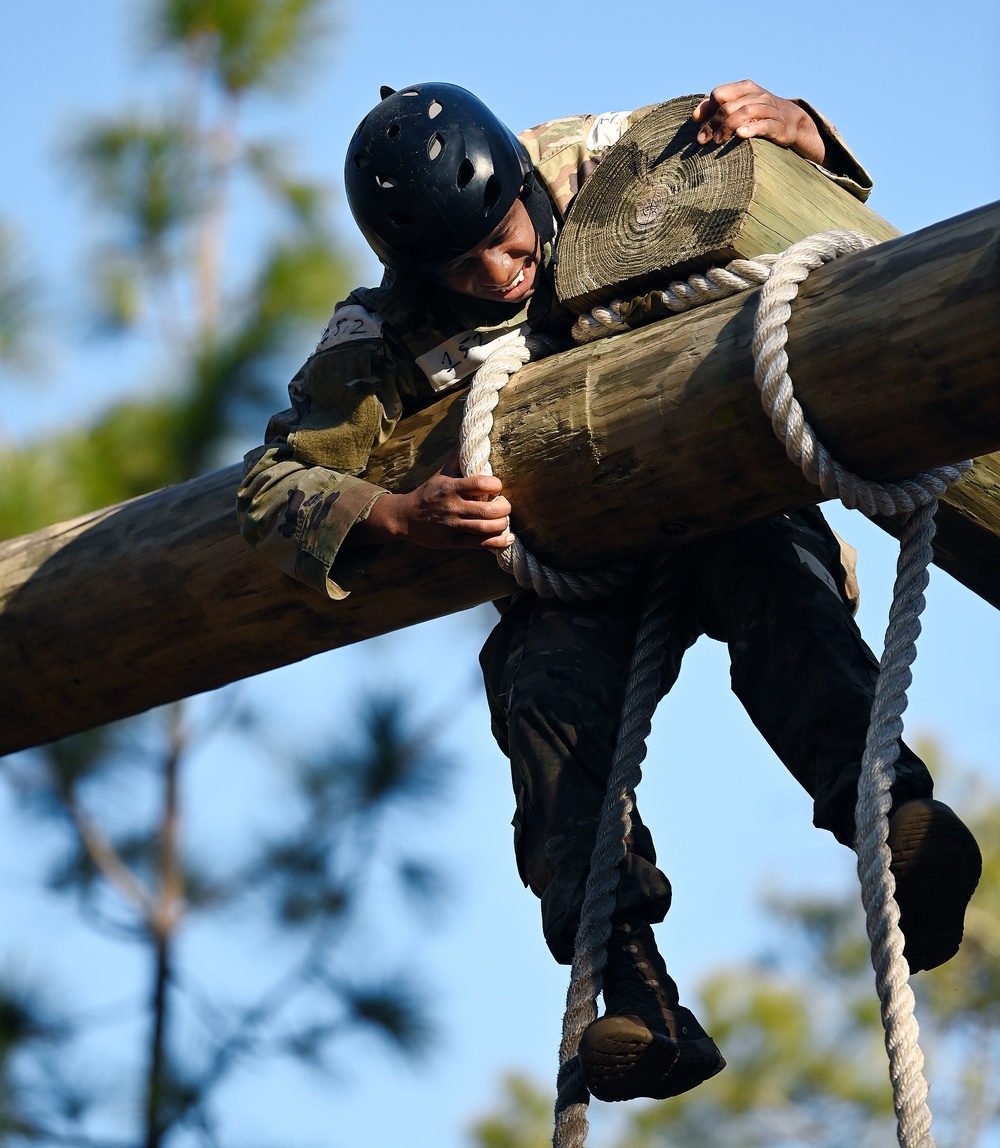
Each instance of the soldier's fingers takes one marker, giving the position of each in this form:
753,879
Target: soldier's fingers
766,127
495,528
498,541
717,130
717,127
481,485
495,510
747,121
704,110
469,517
726,94
736,104
494,535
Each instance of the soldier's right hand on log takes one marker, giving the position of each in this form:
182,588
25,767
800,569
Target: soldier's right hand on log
443,513
746,109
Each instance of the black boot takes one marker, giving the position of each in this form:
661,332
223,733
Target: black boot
937,865
646,1044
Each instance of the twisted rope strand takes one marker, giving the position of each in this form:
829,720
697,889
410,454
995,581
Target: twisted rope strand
591,948
474,458
906,1061
716,283
916,500
788,421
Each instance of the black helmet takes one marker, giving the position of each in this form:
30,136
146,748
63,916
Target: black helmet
430,172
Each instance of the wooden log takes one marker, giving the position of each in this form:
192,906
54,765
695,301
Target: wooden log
662,206
651,438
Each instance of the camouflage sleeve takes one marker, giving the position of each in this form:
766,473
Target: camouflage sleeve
301,492
841,164
298,516
566,151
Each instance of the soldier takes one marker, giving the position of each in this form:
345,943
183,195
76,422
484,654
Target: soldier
465,217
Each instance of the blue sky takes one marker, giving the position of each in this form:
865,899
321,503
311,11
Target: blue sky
912,87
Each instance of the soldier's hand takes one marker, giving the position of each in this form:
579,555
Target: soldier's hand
745,109
443,513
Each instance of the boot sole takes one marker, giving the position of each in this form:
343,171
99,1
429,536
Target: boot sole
622,1059
937,865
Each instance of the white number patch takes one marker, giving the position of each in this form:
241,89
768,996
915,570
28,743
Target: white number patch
449,363
350,323
608,128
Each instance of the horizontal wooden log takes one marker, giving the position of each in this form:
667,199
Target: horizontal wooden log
654,437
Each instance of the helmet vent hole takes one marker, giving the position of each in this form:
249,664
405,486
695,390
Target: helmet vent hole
435,109
410,92
400,219
360,161
392,130
386,181
435,146
466,171
491,196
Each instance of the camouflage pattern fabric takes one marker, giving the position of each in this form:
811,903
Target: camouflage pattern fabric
555,677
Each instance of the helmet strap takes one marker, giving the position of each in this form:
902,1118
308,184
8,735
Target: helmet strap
539,207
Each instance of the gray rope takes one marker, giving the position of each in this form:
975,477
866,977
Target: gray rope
716,283
914,498
906,1061
591,950
590,953
787,419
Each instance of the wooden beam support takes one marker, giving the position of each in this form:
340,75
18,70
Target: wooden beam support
652,437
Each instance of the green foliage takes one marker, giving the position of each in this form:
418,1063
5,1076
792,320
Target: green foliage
118,302
302,199
336,849
160,185
19,291
131,450
392,761
146,176
353,788
965,993
68,764
802,1067
222,385
394,1011
243,44
28,1027
524,1119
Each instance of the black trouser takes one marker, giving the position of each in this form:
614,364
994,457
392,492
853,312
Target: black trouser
555,676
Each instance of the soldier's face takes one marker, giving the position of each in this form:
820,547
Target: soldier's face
501,268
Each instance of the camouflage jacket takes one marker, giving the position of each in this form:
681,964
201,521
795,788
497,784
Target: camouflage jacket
389,351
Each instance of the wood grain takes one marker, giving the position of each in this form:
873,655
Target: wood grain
661,206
